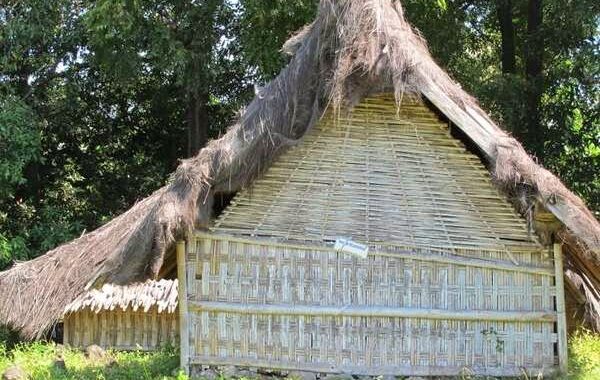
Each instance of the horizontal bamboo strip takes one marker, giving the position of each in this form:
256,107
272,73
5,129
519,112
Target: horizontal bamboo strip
410,370
456,260
513,247
417,239
373,311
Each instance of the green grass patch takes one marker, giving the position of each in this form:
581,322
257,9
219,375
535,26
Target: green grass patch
38,361
584,356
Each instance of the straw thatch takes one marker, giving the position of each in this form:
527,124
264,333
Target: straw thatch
142,295
352,49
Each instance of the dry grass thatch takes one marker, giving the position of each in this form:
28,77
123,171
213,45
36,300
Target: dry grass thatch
352,49
141,295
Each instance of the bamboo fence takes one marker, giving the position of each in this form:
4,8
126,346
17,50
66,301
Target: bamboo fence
139,316
122,330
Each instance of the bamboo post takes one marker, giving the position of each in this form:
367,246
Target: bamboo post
560,309
183,309
67,330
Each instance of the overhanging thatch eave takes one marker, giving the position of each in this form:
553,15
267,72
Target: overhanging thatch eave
143,296
548,189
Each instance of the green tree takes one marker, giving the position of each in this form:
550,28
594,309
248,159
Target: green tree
265,26
534,65
19,147
190,43
100,99
111,88
19,143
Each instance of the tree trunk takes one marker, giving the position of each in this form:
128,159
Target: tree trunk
197,122
534,52
507,31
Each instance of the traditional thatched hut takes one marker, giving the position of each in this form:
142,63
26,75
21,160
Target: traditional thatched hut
138,316
378,240
446,277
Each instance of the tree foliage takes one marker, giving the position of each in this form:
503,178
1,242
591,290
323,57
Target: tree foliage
19,143
100,99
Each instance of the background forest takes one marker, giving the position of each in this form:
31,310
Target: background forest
100,99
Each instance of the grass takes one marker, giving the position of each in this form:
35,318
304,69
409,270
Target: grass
37,359
584,356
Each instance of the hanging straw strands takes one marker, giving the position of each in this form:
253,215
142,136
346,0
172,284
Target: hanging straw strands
143,296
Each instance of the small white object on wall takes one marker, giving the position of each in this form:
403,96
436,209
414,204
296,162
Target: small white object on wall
348,246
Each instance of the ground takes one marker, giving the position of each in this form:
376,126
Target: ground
42,361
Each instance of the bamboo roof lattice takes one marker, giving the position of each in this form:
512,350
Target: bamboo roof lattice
378,175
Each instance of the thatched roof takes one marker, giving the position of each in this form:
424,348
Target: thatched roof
353,48
161,294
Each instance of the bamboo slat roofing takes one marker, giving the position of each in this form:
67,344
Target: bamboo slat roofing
378,175
143,295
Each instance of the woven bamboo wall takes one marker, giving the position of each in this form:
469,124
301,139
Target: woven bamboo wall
453,284
264,304
124,330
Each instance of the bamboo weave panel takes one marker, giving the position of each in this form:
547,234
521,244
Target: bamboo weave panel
378,175
258,273
124,330
374,345
252,275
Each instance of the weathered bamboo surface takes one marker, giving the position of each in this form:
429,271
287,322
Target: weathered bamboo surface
561,325
378,175
123,330
464,257
184,326
453,283
374,311
319,308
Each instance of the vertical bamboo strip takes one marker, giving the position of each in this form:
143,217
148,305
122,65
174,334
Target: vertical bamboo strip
88,323
120,328
67,330
103,326
183,310
560,308
76,329
155,341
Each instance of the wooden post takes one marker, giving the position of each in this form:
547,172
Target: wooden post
183,308
560,309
